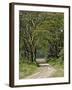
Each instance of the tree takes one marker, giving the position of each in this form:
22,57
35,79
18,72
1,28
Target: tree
40,32
28,23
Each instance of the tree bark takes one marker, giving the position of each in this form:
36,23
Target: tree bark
35,55
32,56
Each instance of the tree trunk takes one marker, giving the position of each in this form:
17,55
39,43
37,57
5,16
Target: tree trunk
35,55
32,56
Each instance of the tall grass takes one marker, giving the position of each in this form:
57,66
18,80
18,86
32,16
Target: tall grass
26,69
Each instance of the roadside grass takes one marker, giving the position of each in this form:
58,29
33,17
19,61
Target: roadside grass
26,69
59,66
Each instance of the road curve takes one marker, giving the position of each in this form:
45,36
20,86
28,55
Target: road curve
43,72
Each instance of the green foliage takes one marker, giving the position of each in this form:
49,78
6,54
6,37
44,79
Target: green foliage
61,56
41,35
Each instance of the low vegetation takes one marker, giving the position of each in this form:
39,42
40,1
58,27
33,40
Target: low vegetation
59,67
26,69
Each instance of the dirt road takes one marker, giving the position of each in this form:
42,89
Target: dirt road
44,71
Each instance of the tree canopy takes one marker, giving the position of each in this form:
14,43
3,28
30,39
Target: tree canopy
41,35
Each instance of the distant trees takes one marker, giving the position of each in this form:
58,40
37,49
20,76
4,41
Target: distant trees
41,34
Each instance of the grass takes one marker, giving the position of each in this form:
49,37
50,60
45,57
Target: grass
26,69
58,66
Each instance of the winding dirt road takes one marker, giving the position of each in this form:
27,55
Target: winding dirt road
44,71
